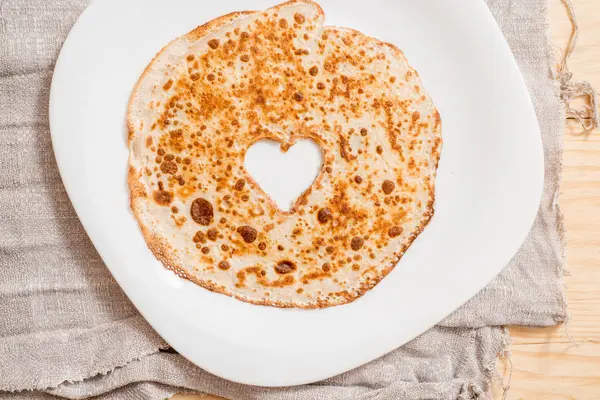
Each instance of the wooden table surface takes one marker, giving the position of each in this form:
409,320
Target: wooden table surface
546,365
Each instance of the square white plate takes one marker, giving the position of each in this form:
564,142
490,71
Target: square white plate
488,187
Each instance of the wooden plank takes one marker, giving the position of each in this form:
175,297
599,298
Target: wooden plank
554,371
580,202
545,363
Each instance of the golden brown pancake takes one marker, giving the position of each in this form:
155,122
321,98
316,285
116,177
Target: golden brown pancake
281,75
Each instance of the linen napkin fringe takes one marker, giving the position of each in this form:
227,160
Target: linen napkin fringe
132,330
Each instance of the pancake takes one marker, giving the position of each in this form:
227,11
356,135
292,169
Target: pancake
281,75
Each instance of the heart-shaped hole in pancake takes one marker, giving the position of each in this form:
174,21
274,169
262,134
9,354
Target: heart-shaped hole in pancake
284,175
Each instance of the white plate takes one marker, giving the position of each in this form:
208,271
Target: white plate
488,188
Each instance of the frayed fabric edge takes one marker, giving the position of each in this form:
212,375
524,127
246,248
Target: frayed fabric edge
560,219
151,348
588,115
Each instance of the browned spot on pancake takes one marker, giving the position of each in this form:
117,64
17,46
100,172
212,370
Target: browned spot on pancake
168,84
212,234
162,197
168,167
260,274
411,163
202,211
179,221
285,267
395,231
299,18
262,246
213,43
283,23
224,265
326,267
344,149
358,179
199,237
248,233
357,243
319,274
324,215
239,185
314,70
388,186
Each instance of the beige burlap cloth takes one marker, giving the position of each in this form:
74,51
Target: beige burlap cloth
67,329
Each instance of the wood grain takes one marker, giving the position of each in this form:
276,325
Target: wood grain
546,365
